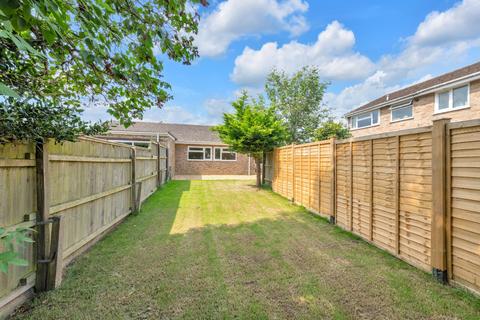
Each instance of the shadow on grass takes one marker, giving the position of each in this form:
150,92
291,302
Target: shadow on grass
285,264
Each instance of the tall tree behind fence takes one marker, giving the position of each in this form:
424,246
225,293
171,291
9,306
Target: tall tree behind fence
414,193
72,194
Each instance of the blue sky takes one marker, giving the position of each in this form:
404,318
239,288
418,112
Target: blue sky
364,48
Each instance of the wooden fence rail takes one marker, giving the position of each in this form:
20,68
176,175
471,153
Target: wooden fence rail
72,194
414,193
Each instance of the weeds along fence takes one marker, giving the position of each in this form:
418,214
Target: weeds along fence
413,193
71,194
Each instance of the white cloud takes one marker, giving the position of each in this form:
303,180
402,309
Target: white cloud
234,19
173,114
460,22
374,86
332,54
217,107
442,42
169,114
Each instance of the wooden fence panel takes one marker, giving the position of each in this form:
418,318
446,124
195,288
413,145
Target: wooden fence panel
283,172
269,160
325,176
146,170
298,174
389,189
163,164
343,185
17,200
384,192
361,188
90,187
465,206
415,199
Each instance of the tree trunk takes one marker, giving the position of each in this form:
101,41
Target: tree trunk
258,162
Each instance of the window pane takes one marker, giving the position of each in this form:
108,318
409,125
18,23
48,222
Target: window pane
353,122
196,149
364,122
228,155
402,113
141,144
375,117
460,96
218,154
195,155
443,100
208,153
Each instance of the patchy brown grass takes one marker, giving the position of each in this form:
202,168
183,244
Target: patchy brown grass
222,249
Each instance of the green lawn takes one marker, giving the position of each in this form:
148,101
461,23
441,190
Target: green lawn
223,249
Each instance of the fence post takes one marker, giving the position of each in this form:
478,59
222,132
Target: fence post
55,270
371,192
397,195
43,206
159,172
167,171
333,192
319,179
351,185
439,198
134,181
293,173
264,161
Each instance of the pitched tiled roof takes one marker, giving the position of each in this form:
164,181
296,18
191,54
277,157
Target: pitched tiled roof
411,90
181,132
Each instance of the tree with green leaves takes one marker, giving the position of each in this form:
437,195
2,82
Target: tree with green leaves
61,54
252,129
331,129
298,101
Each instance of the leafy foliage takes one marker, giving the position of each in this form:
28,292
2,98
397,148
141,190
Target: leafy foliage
36,121
298,100
8,239
57,52
330,129
252,128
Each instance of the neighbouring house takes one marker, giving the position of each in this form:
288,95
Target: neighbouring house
193,150
454,95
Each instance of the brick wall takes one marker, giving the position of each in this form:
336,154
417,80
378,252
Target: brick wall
210,167
423,110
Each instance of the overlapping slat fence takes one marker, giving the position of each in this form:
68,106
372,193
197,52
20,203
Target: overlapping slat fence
304,173
414,193
88,183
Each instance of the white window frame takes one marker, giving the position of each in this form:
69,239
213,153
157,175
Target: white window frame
401,107
356,117
450,100
203,150
221,152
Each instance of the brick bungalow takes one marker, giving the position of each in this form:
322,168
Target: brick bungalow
454,95
193,150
